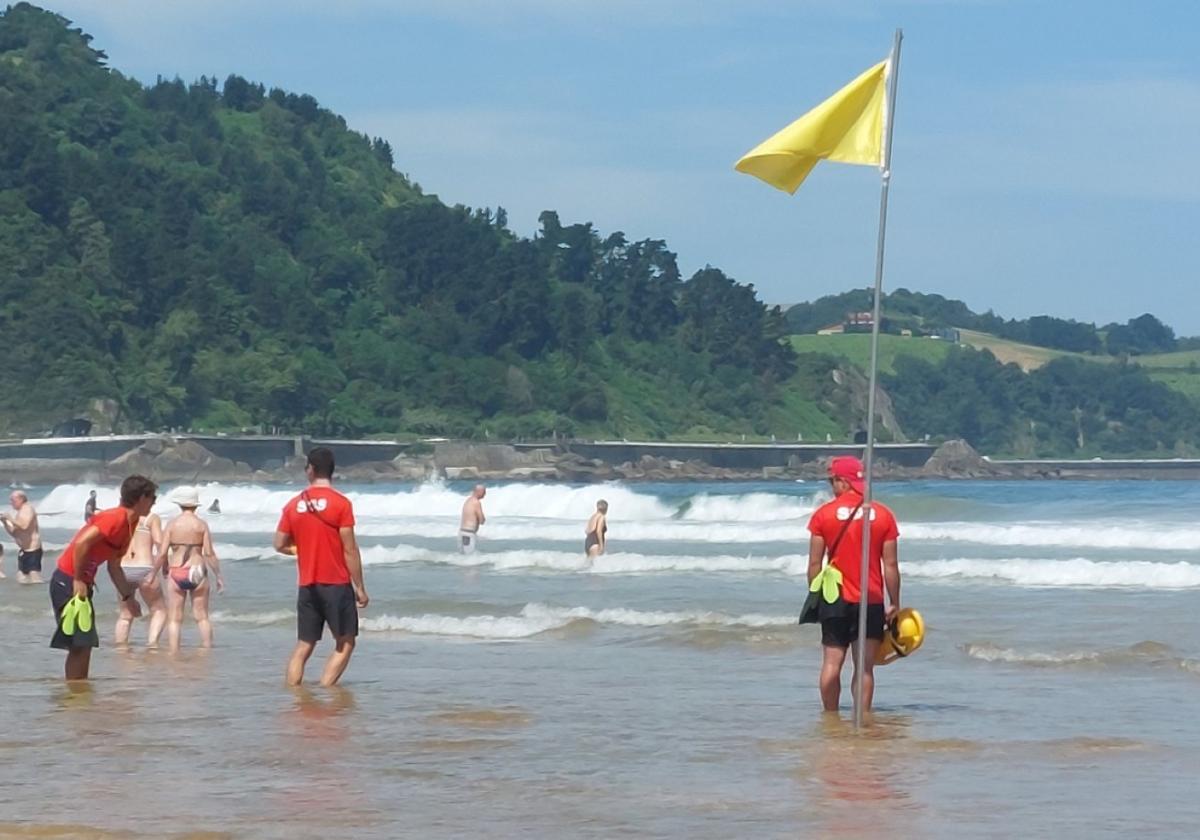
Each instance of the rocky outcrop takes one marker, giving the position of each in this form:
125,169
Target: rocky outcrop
168,459
957,459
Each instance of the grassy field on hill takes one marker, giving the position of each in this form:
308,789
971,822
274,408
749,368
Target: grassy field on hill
1179,371
856,348
1027,356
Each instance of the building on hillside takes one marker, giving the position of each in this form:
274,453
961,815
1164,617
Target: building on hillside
858,322
946,334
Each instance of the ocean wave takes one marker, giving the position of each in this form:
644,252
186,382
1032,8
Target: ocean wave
1053,534
1147,653
256,507
1076,573
536,619
257,619
609,564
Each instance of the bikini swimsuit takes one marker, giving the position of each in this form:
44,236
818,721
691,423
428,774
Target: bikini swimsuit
182,574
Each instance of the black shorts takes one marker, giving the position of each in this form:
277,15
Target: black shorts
326,603
62,590
842,631
29,561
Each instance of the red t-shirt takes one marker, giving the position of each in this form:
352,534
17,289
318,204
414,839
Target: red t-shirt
320,557
827,522
115,533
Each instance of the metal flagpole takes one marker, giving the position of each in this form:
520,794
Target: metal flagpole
869,456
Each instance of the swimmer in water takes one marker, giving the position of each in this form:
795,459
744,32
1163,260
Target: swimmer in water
596,540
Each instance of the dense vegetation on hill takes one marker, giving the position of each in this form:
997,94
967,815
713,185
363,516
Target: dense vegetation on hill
925,313
220,256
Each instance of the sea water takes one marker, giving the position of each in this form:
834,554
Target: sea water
663,690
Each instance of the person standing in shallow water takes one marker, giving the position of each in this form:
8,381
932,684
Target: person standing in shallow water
139,568
596,539
472,519
22,523
837,525
187,557
317,527
101,541
89,507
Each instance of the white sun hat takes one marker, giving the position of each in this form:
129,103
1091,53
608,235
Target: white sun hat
186,497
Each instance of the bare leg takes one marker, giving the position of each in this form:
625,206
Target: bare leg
338,660
152,594
200,613
868,674
175,600
831,676
35,577
78,661
124,623
295,666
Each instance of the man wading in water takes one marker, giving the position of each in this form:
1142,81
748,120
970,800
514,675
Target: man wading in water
318,528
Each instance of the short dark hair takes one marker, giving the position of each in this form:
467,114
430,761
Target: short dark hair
135,488
321,461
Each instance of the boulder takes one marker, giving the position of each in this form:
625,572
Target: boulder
168,459
957,459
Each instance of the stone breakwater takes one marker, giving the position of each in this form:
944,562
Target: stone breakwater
175,459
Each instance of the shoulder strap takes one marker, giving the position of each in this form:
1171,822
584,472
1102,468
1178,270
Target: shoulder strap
312,508
838,540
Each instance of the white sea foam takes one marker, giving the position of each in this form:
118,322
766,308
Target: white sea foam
1053,534
1078,572
259,619
535,619
610,564
515,511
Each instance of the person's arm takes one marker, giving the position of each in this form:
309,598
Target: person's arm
124,590
816,555
163,547
83,544
10,524
354,563
601,532
284,544
891,577
211,559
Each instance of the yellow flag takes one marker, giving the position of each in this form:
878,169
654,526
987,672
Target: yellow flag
847,127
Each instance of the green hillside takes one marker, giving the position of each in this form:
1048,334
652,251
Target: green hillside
221,256
856,348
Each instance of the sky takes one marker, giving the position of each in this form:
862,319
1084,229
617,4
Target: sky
1045,158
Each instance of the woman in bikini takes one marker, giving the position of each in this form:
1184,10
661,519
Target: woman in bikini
138,566
187,551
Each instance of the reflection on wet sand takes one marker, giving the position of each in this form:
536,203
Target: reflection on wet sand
859,783
482,718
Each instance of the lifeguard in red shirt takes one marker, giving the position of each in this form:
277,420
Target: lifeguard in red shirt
317,527
837,527
103,540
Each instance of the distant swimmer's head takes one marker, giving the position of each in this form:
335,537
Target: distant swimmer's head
187,498
848,471
480,491
320,461
602,506
92,494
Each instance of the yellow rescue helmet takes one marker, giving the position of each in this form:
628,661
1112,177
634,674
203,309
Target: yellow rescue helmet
903,636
